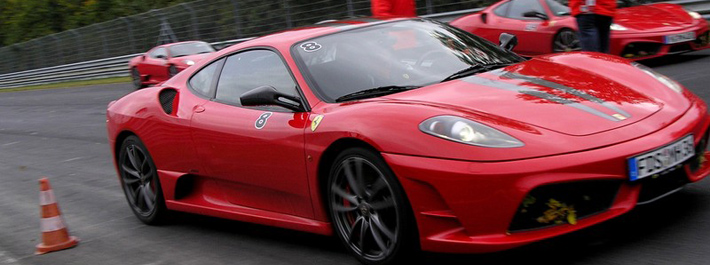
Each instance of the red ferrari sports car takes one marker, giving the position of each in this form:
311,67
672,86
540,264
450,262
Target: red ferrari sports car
407,134
164,61
545,26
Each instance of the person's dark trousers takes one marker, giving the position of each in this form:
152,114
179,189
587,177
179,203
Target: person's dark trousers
594,32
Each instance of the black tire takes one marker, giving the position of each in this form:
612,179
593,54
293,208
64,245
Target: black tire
376,223
172,71
137,80
566,40
140,182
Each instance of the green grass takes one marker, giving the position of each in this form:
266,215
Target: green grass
68,84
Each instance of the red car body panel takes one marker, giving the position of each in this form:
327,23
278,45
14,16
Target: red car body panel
463,197
647,24
154,70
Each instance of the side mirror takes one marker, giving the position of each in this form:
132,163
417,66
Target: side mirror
535,14
268,95
161,56
508,41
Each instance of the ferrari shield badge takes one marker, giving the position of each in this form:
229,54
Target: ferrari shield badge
316,122
261,122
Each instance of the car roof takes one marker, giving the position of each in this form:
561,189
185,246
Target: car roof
177,43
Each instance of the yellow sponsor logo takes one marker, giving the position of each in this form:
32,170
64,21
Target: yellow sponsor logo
316,121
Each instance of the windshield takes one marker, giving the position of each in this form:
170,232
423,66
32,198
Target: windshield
191,48
409,53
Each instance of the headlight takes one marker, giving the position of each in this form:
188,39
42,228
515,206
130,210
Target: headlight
465,131
694,14
189,62
615,26
670,83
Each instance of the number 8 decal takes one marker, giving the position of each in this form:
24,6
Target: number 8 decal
311,46
261,122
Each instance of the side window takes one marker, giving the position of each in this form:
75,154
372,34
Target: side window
251,69
519,7
502,10
201,82
158,52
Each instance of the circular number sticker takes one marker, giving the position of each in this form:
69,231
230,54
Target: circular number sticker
311,46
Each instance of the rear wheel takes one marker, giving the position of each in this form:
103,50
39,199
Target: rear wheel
137,80
370,213
566,41
140,182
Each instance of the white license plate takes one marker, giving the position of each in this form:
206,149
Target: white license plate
677,38
661,159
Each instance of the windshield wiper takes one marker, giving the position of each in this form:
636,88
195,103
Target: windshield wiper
375,92
474,69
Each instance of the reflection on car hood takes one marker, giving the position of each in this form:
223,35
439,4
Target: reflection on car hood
552,96
656,17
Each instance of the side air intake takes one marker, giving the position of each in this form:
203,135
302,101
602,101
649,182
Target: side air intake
167,100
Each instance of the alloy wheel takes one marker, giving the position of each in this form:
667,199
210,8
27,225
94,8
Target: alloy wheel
138,177
566,41
364,208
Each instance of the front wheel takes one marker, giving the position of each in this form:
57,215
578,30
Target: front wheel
140,182
369,209
137,80
172,71
566,40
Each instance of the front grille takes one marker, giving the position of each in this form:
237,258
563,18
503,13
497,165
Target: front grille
640,49
685,47
697,160
703,39
557,204
654,188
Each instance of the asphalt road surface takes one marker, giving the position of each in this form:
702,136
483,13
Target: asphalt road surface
61,134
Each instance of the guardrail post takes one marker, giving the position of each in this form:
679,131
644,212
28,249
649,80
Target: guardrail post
351,10
237,19
60,51
102,35
429,7
287,13
80,50
129,27
193,17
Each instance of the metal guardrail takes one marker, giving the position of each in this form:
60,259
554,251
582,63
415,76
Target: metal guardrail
102,68
117,66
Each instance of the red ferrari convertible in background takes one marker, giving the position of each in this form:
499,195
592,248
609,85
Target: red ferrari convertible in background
407,134
164,61
545,26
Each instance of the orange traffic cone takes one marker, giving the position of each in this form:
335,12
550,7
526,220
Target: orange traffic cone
54,232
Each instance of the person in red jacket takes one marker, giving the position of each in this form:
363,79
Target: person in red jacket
594,18
393,8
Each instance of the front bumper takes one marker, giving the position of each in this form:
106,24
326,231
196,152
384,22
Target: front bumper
647,45
468,207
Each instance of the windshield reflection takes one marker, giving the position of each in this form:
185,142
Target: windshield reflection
415,52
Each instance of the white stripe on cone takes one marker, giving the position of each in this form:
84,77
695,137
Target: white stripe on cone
52,224
46,197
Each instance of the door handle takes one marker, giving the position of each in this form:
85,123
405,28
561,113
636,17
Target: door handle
199,109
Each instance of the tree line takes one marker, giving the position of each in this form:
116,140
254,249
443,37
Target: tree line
22,20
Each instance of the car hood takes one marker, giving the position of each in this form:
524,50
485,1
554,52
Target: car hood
655,17
555,96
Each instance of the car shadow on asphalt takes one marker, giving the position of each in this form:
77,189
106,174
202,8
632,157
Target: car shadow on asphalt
674,59
643,223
